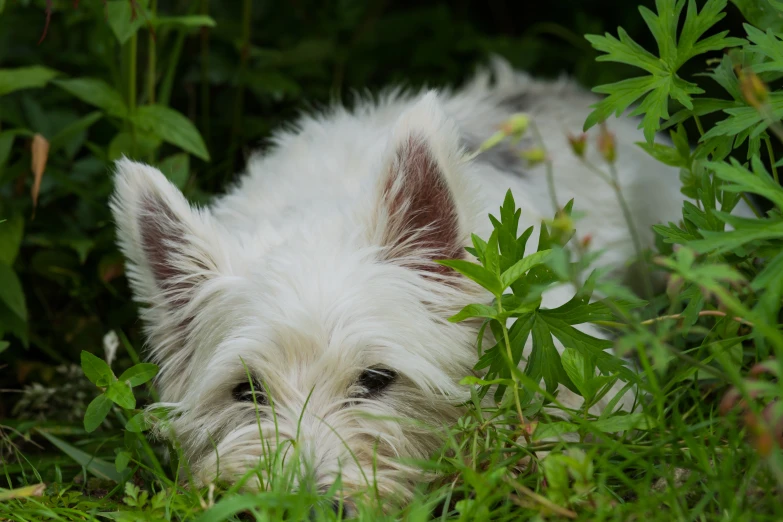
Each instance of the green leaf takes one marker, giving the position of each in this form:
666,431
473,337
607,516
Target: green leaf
474,310
573,364
121,394
11,292
476,273
137,424
553,430
96,412
172,127
767,45
25,78
176,168
519,268
548,359
121,461
761,13
97,93
139,374
616,423
185,22
96,370
125,18
667,155
134,146
11,232
759,181
4,346
97,467
6,142
471,380
662,83
61,139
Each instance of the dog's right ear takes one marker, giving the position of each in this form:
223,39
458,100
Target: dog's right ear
171,249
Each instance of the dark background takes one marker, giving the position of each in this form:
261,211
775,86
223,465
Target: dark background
302,53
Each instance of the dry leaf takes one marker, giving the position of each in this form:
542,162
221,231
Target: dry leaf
40,155
36,490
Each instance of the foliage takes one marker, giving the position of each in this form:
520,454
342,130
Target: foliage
188,85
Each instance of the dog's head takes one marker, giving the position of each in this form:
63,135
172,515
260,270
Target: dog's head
331,343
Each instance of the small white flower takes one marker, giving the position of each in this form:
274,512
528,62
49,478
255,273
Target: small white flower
110,344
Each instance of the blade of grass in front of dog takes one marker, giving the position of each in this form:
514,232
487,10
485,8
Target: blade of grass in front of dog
231,506
98,467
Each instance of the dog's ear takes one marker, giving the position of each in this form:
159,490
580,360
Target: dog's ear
171,249
422,209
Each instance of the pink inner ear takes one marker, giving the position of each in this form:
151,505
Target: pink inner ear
422,212
159,232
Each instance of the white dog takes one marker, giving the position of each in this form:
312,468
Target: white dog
314,274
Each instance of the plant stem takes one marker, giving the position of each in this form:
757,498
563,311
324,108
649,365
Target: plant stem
772,159
614,182
550,175
514,377
151,50
236,129
698,125
132,52
151,66
205,76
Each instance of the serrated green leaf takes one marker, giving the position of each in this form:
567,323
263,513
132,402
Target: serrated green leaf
761,13
139,374
97,93
96,412
548,359
663,83
11,292
476,273
25,78
667,155
121,394
519,268
758,182
573,364
97,371
172,127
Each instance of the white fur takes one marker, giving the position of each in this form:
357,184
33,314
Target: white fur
293,273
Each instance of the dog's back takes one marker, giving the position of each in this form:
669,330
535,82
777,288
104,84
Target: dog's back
322,168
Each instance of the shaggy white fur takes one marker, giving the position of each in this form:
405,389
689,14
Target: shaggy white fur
314,274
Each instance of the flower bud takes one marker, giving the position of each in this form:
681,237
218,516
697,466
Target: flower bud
578,144
607,145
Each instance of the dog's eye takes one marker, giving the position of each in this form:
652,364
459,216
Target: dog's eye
375,380
242,392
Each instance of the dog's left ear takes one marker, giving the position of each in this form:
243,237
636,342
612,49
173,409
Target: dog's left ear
422,204
172,251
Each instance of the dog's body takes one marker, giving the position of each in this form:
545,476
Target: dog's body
314,274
